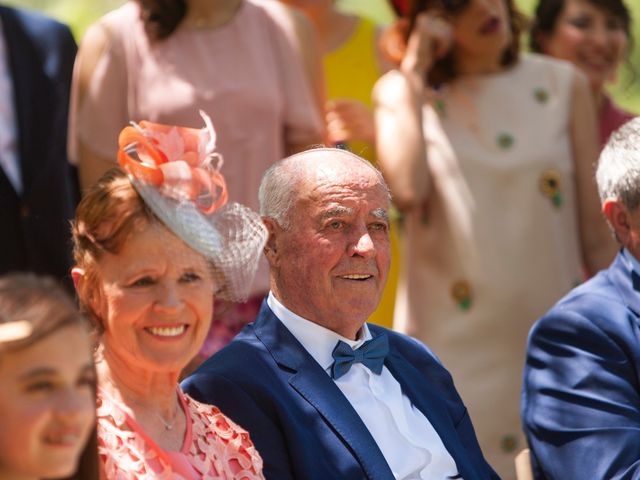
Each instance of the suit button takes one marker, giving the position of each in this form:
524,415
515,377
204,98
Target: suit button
25,211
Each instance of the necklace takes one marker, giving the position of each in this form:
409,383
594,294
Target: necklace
168,425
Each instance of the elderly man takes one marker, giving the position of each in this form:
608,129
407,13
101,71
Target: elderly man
323,394
581,393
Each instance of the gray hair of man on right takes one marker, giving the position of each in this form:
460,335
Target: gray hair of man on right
618,173
278,186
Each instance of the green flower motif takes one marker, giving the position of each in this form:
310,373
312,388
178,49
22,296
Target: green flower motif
541,95
505,140
440,106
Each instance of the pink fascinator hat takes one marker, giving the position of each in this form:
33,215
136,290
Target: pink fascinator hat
176,171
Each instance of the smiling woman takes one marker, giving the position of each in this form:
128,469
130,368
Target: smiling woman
594,35
152,248
47,402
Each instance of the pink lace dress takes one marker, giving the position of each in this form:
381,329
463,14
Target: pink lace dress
214,447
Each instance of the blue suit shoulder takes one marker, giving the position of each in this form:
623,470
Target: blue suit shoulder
37,24
52,40
597,302
581,384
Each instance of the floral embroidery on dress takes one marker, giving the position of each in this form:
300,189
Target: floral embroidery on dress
219,448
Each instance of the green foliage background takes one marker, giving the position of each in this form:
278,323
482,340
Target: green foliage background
80,13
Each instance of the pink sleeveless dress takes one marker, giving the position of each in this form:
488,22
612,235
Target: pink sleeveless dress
247,75
214,447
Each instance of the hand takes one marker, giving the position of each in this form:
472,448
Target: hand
349,120
430,40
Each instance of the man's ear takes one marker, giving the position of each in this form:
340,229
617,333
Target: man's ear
271,247
617,215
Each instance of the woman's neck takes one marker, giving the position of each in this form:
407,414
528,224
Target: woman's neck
137,387
205,14
479,66
598,99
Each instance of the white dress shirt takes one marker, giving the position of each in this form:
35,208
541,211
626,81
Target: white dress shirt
410,445
9,161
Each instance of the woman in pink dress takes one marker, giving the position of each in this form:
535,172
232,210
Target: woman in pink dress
594,35
47,383
250,64
152,248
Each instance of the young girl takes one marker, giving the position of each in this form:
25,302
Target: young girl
47,394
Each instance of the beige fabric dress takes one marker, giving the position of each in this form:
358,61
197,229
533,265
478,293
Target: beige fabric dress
497,244
247,75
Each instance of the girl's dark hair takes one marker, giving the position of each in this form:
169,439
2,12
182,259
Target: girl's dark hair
39,300
547,13
161,17
443,70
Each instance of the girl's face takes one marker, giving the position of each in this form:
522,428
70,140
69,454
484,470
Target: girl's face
481,32
589,37
47,406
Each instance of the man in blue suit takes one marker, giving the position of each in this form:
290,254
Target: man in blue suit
581,392
38,192
323,394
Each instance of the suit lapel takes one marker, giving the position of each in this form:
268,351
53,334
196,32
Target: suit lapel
313,384
427,400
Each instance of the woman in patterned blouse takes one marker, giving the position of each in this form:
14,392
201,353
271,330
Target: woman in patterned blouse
153,244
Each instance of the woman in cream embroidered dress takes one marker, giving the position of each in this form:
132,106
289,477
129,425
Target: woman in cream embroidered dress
495,176
151,248
250,64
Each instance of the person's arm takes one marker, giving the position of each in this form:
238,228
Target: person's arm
307,44
96,43
398,99
598,245
581,398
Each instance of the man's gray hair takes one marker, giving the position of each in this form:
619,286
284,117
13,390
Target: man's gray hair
618,174
279,183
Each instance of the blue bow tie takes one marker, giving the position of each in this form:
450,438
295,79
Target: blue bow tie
371,354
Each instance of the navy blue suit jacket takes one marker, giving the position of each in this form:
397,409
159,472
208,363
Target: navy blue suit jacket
302,424
34,226
581,392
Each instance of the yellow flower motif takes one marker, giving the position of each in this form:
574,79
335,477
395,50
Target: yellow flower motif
461,294
550,186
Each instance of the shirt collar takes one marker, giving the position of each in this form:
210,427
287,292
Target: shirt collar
631,261
316,339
